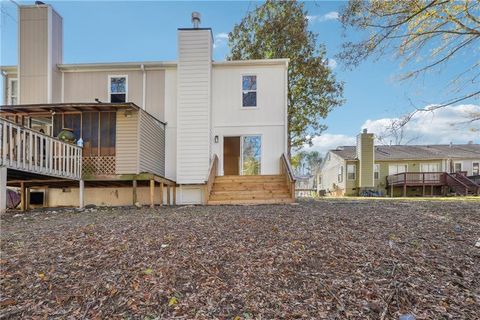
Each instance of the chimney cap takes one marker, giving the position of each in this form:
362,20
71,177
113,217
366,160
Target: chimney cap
365,130
196,19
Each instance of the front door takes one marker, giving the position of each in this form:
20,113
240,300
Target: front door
231,156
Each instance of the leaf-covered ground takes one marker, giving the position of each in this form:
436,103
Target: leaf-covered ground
332,259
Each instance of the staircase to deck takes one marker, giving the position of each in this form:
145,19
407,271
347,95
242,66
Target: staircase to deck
250,190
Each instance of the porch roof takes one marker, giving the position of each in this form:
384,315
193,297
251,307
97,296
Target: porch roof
28,109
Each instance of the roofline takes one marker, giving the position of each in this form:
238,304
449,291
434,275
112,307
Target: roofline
9,69
265,62
104,66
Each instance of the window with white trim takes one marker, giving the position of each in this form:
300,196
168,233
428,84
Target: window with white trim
457,166
475,168
249,91
376,171
12,91
397,168
430,167
340,174
117,89
351,171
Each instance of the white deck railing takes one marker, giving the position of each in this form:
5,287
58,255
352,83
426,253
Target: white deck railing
31,151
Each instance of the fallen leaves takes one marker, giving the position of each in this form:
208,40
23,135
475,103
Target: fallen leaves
319,259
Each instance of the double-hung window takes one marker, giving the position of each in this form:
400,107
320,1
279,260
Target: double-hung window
117,89
376,171
475,168
249,91
12,94
351,171
340,174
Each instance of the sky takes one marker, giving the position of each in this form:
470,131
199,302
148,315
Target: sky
113,31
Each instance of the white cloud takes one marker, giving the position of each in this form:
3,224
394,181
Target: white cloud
332,63
220,39
443,126
332,15
329,141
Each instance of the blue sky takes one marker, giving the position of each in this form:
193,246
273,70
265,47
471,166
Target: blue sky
141,31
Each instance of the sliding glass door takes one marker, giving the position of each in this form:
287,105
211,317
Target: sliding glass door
251,152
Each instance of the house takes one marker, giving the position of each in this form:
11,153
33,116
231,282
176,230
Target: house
193,130
416,170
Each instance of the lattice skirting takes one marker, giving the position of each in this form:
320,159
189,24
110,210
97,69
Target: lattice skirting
103,165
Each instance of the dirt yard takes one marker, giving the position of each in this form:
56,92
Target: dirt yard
332,259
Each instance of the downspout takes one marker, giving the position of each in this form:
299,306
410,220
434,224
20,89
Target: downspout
5,93
144,87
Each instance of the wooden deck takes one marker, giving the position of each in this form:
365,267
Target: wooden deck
456,182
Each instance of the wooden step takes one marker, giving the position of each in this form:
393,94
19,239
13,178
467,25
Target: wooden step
244,186
251,192
249,202
265,178
251,196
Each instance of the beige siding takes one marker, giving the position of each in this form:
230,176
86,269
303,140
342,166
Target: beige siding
57,56
33,58
152,145
155,93
193,113
127,143
366,156
329,175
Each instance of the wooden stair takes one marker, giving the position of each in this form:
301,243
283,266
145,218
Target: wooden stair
261,189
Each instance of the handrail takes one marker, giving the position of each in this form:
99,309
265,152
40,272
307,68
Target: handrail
448,175
286,169
31,151
212,173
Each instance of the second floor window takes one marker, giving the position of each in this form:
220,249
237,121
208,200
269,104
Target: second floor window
376,172
249,91
117,89
12,96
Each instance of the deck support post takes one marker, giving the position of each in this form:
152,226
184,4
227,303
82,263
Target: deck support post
161,193
423,190
405,189
391,190
152,193
174,194
134,191
431,190
81,188
3,189
168,195
23,197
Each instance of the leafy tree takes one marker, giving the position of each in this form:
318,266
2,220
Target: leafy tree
427,34
280,30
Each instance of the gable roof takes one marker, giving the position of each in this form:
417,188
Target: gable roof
415,152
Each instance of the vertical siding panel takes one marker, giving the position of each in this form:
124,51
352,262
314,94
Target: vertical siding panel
127,143
152,145
194,103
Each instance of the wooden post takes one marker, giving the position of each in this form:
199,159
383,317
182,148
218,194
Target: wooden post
81,187
391,190
152,193
174,194
405,189
3,187
431,190
168,195
161,193
23,199
134,191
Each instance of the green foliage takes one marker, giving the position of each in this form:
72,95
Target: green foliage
280,30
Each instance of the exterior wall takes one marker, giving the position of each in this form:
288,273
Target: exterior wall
193,105
171,127
155,93
56,56
352,186
467,164
151,145
34,52
329,175
267,119
6,82
127,146
366,156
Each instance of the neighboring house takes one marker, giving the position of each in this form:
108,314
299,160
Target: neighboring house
176,124
405,170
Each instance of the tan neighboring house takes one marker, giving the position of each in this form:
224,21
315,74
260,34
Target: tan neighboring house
190,131
400,170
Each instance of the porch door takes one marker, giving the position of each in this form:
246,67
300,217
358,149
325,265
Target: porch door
231,156
251,155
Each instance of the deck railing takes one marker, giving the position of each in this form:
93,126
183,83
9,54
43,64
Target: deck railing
212,173
416,178
31,151
287,171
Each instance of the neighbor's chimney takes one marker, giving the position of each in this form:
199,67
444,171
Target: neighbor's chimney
366,159
196,19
